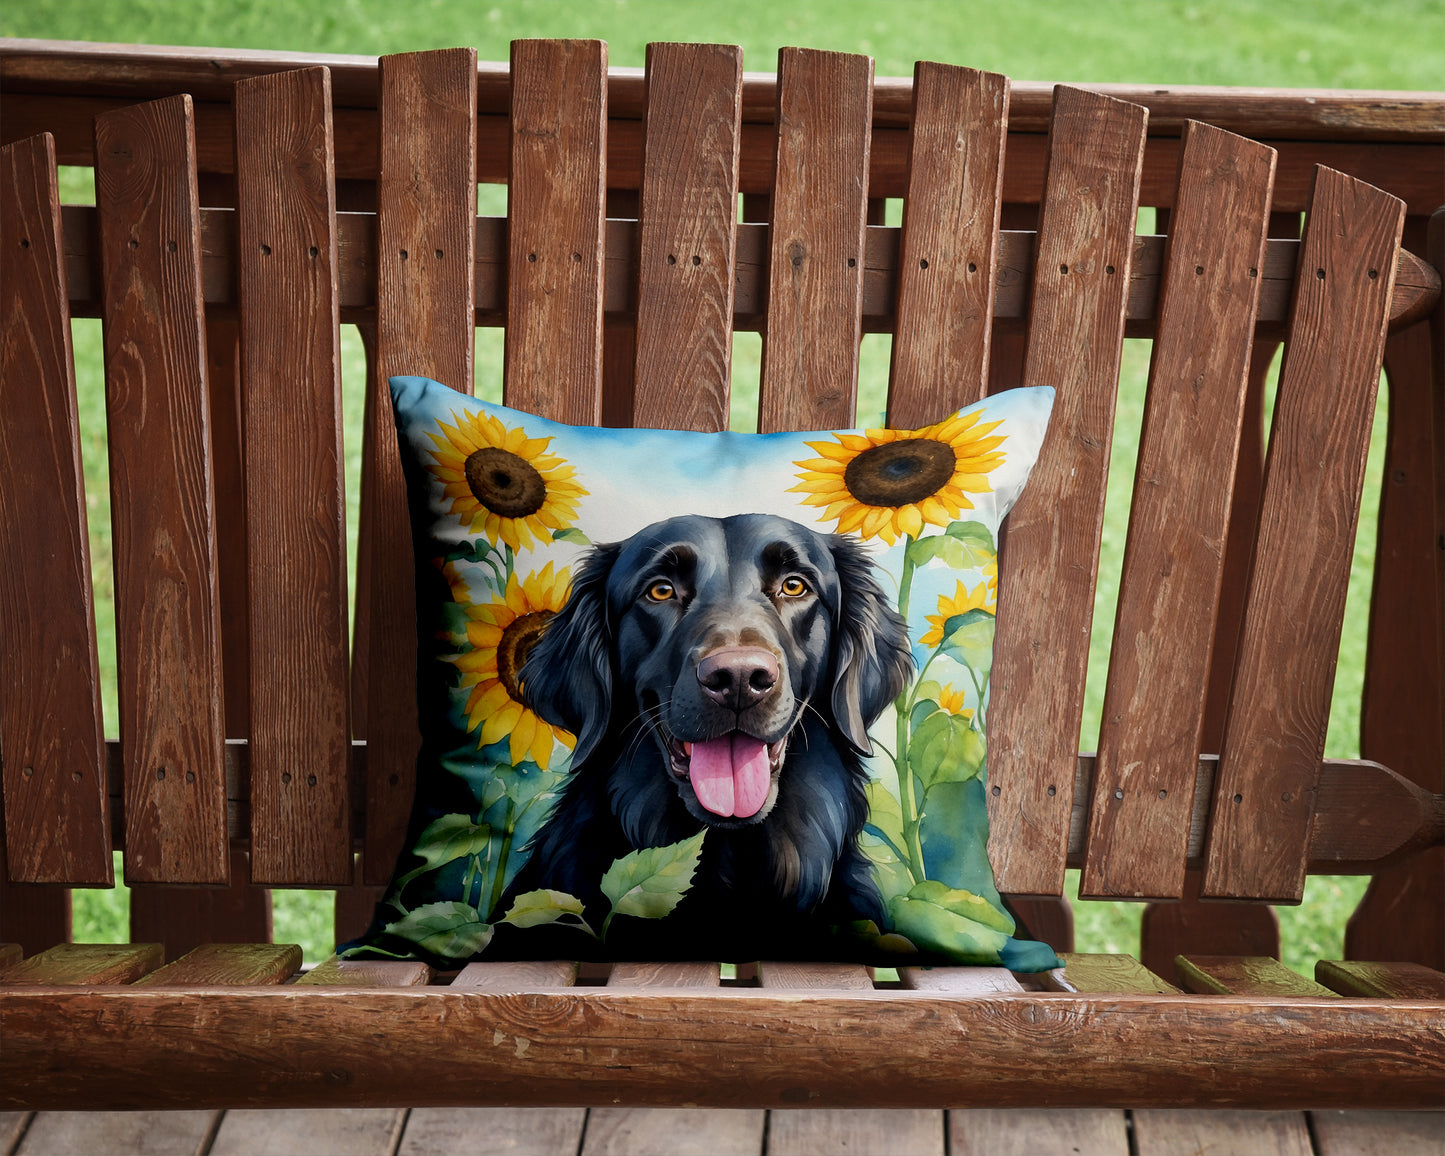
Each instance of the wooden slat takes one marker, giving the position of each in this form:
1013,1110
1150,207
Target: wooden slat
57,826
12,1126
318,1132
1030,1131
959,980
949,248
664,975
1168,1132
168,633
1097,972
34,915
86,963
519,976
1342,1133
183,918
426,216
10,953
515,1131
1243,975
334,972
687,236
228,963
786,975
1385,980
816,258
153,1133
555,205
1275,733
896,1131
1153,712
1050,556
1191,925
294,492
674,1132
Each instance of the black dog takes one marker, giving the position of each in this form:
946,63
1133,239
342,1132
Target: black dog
719,672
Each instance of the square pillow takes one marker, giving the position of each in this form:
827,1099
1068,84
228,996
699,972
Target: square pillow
703,696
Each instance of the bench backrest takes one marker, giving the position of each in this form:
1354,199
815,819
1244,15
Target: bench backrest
242,698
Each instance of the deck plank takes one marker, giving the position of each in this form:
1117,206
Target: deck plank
1168,1132
674,1132
515,1131
1379,1133
1026,1131
856,1131
1382,980
309,1131
86,963
118,1133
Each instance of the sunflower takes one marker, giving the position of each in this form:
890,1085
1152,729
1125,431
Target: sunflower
501,634
502,483
884,482
951,701
963,600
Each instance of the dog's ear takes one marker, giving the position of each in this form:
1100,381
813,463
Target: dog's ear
873,661
567,677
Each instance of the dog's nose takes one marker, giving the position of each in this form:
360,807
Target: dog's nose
738,677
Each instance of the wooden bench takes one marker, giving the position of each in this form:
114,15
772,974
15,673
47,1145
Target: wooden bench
246,206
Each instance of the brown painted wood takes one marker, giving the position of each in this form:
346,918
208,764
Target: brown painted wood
334,972
85,963
947,268
426,216
1050,918
1275,733
228,963
816,260
674,1132
516,1131
959,980
1385,980
897,1131
56,818
1338,1133
555,208
153,1133
1376,929
523,975
300,756
790,976
1096,972
354,1131
1242,975
687,236
184,917
664,975
1153,714
168,635
903,1049
1190,926
1171,1131
34,915
1028,1131
1081,276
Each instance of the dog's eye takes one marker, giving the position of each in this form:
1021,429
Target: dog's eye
661,591
792,587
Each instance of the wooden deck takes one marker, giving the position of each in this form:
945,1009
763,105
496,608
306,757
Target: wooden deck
720,1132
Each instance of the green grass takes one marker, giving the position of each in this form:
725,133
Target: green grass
1309,43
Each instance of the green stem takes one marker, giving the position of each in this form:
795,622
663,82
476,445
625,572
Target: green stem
469,880
907,805
499,878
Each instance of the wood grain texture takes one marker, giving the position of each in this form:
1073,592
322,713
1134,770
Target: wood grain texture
896,1131
168,632
1275,733
228,963
790,976
1097,972
1343,1133
555,206
151,1133
12,1126
334,972
664,975
819,207
57,822
1050,555
1242,975
687,236
959,980
1153,715
323,1132
1031,1131
1384,980
674,1132
515,1131
949,247
85,963
899,1049
426,217
522,975
1168,1132
1190,926
10,953
184,917
300,756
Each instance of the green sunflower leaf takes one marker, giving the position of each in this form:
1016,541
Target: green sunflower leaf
961,546
571,534
968,638
649,883
451,930
939,918
535,908
944,748
447,839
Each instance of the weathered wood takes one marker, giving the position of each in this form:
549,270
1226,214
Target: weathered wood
516,1131
1343,1133
228,963
1081,275
153,1133
34,915
168,632
85,964
687,236
1385,980
300,822
674,1132
1153,713
1171,1131
897,1131
664,975
325,1132
555,205
519,976
1028,1131
183,917
425,259
1243,975
1275,732
1191,925
816,260
12,1126
57,824
1095,972
947,267
334,972
789,976
959,980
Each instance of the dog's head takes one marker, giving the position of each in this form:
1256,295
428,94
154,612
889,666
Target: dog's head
709,638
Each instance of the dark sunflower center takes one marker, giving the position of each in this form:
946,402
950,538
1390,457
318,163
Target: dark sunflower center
517,642
900,473
505,483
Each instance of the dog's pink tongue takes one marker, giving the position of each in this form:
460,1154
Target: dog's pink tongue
730,775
